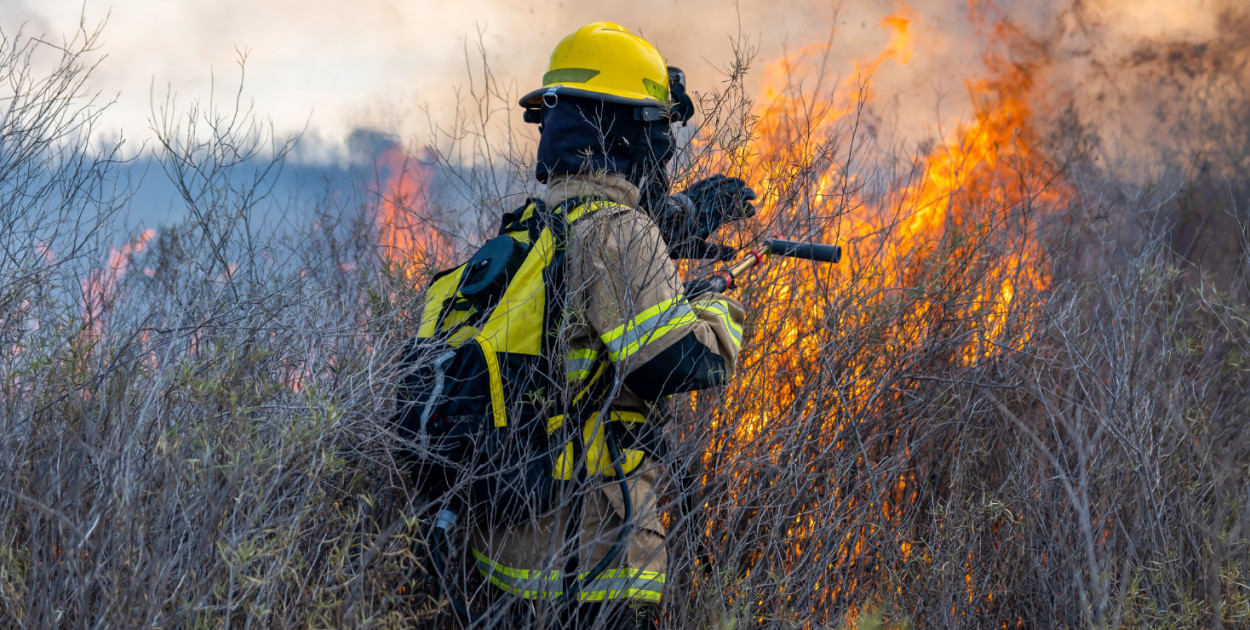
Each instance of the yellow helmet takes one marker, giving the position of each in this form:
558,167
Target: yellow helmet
606,62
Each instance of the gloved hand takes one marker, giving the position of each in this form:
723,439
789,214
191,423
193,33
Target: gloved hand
690,217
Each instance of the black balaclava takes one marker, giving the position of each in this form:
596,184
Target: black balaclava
587,136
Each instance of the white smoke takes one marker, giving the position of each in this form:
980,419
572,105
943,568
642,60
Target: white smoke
341,66
400,66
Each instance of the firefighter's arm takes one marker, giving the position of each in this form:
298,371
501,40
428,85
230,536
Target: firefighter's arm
662,341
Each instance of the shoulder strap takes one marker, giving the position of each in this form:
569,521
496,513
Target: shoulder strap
533,221
555,219
517,219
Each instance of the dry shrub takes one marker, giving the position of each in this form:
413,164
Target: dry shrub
1087,469
193,429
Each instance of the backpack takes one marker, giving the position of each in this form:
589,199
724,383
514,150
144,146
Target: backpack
480,381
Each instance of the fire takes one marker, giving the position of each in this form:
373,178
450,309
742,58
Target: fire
941,257
899,49
960,221
963,183
100,287
408,235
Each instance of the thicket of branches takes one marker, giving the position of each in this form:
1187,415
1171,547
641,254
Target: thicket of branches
194,428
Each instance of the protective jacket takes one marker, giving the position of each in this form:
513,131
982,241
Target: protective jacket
626,308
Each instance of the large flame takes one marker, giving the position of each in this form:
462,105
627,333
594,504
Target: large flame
960,220
987,168
409,236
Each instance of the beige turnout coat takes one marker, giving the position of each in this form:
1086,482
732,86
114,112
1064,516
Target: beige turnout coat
626,303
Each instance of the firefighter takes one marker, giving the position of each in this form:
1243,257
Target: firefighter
605,113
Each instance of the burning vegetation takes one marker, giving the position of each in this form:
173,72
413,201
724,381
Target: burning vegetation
1020,401
833,413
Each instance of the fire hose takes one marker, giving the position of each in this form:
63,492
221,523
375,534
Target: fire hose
722,281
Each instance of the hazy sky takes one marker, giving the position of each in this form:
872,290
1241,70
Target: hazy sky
375,64
382,63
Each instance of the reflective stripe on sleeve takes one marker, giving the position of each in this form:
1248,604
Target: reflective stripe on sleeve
623,583
647,327
579,362
720,308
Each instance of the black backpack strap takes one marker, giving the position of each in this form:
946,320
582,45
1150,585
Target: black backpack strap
556,219
516,220
554,275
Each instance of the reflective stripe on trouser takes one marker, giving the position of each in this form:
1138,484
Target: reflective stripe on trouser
612,584
648,326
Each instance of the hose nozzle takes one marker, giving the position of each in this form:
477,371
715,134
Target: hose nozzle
808,251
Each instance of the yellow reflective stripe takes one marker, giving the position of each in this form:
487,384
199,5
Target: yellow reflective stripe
496,382
681,321
646,594
522,574
578,363
642,317
579,211
648,326
721,309
623,583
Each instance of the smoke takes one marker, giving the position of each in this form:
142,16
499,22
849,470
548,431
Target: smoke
340,66
1157,79
413,69
407,67
1149,81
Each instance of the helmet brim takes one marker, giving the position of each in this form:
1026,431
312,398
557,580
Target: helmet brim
535,98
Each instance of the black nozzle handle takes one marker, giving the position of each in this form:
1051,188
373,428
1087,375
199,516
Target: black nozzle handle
719,282
810,251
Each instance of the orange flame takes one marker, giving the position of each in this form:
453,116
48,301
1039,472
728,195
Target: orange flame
899,49
99,289
961,187
962,220
408,234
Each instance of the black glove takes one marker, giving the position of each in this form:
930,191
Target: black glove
682,109
671,216
687,219
712,202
